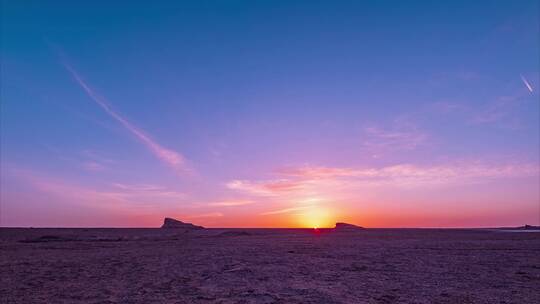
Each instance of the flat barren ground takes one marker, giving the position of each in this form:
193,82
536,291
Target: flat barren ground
268,266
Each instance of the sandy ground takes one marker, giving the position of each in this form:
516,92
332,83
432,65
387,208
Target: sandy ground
268,266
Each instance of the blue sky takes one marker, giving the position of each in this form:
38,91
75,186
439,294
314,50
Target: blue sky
423,107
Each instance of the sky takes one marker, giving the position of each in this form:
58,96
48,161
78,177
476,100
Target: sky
270,113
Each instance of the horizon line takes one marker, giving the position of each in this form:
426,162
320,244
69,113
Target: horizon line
303,228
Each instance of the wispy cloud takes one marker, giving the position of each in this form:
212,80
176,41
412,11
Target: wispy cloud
92,162
401,136
496,111
172,158
138,187
315,172
93,166
148,190
446,107
205,215
286,210
308,180
115,196
266,188
527,84
93,156
231,203
452,172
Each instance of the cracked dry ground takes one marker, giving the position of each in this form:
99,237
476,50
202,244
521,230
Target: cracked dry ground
268,266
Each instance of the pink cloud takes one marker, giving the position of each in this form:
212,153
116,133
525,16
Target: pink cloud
205,215
457,173
286,210
231,203
401,139
312,179
266,188
119,196
317,172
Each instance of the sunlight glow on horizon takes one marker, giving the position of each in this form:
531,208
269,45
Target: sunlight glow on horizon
265,115
317,217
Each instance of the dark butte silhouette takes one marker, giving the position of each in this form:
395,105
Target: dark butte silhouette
528,227
172,223
345,226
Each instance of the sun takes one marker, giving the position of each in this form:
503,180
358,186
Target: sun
316,217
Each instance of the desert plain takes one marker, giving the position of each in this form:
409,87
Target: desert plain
47,265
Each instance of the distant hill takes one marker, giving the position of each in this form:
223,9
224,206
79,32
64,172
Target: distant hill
528,227
172,223
345,226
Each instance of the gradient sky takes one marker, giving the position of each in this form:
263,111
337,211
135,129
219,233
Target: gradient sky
270,113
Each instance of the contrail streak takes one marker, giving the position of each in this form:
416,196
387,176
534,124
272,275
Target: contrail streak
527,84
169,157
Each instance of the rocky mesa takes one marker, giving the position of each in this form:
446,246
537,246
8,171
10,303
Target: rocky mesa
173,223
347,227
